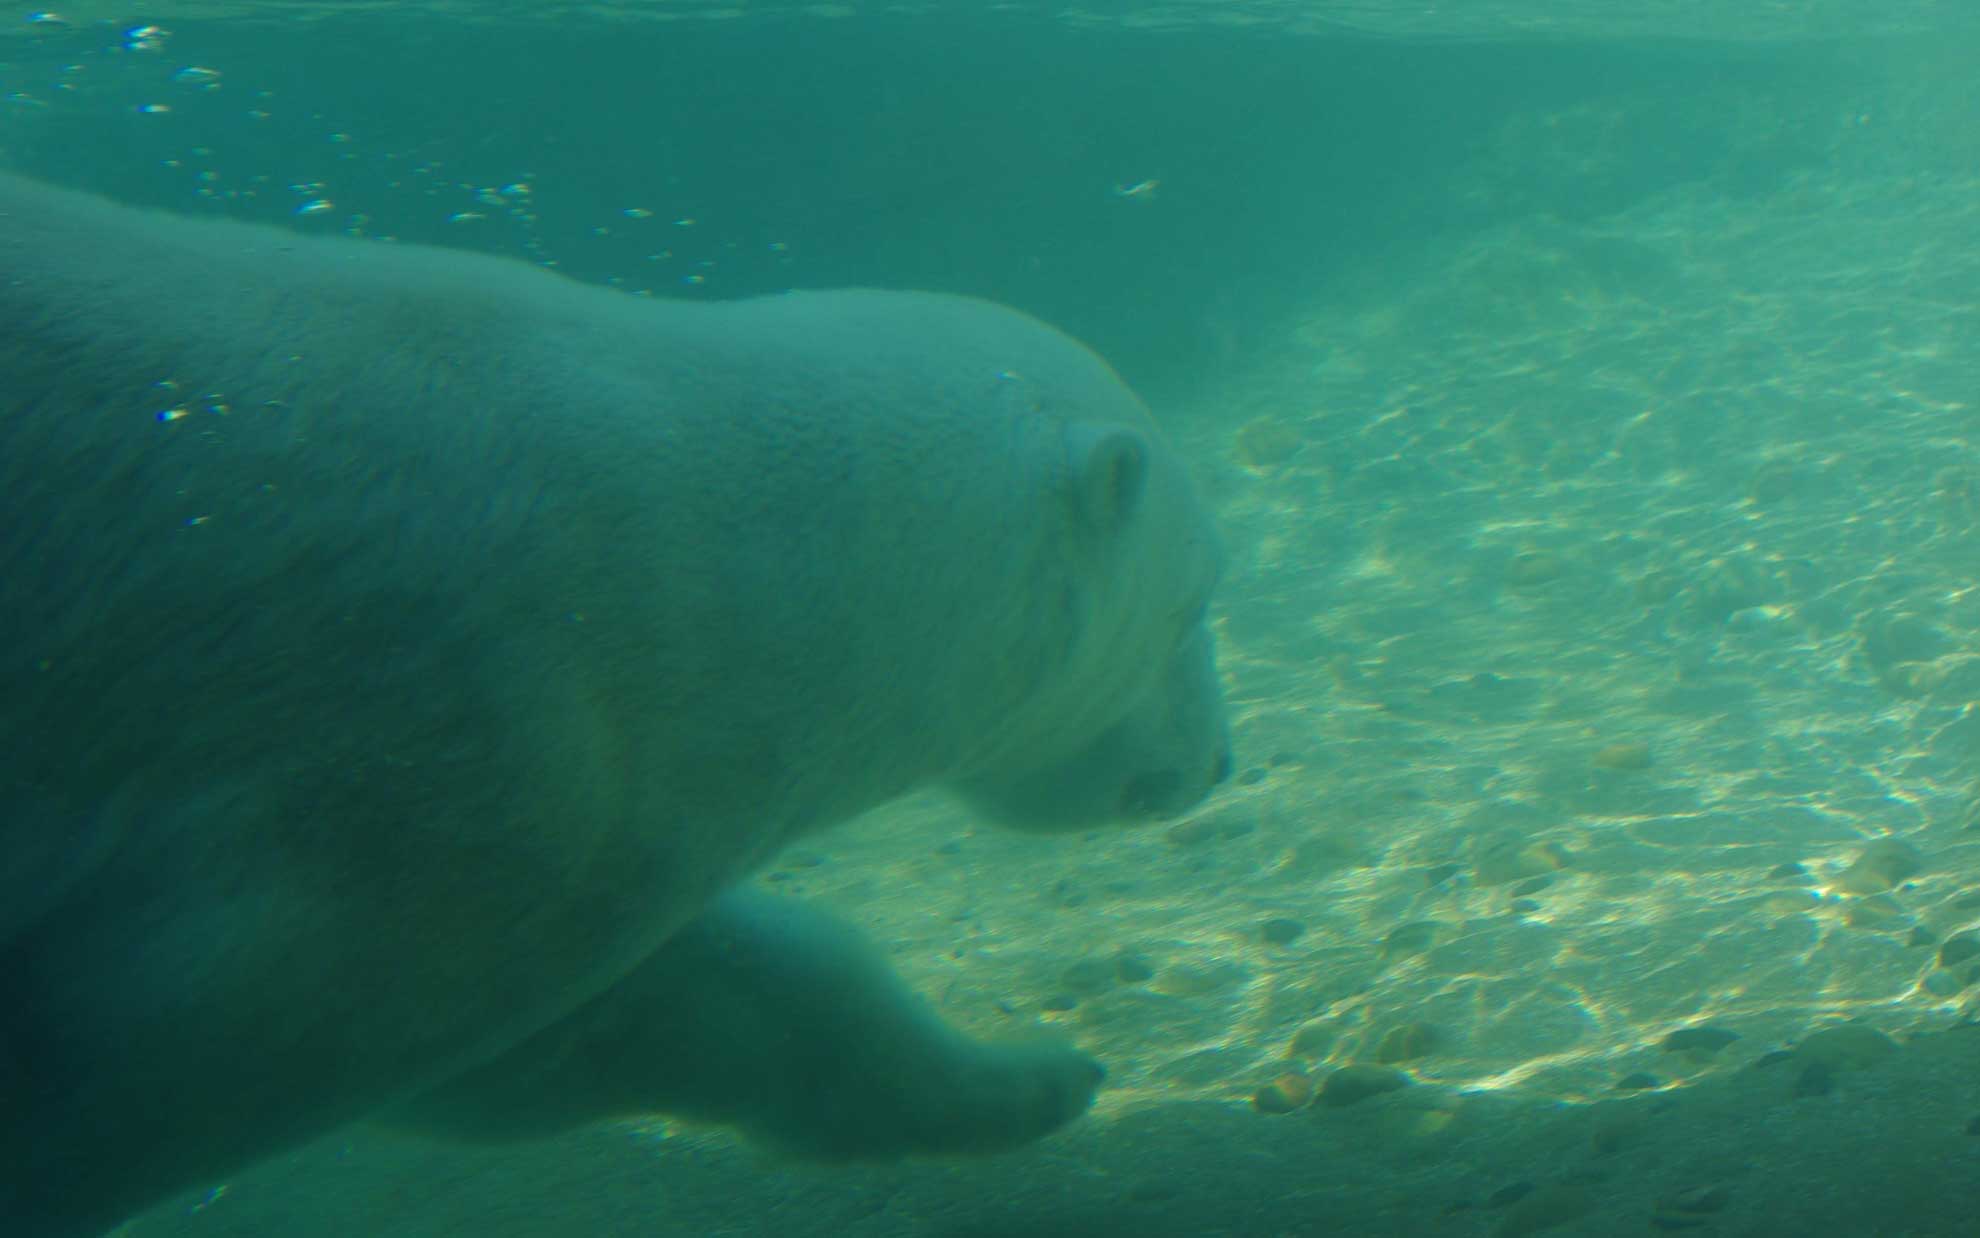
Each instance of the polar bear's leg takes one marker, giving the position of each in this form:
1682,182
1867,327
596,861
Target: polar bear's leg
778,1019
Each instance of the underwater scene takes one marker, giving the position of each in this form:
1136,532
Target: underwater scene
1501,758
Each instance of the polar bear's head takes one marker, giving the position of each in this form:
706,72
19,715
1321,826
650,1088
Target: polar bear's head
1134,726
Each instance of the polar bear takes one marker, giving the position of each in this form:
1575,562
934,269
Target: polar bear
405,656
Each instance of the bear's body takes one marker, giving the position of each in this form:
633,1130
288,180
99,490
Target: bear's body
399,650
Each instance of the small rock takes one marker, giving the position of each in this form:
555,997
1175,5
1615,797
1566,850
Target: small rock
1405,1043
1352,1084
1533,569
1439,874
1413,938
1285,1094
1846,1046
1315,1039
1790,902
1958,949
1657,586
1066,892
1627,756
1703,1039
1881,866
1281,931
1088,977
1266,442
1879,913
1510,862
1943,983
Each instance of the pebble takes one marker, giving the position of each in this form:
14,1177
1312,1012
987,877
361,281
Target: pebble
1879,913
1791,902
1505,864
1089,977
1266,442
1288,1092
1315,1039
1627,755
1846,1046
1281,931
1533,569
1703,1039
1942,983
1413,938
1881,866
1958,949
1657,586
1405,1043
1352,1084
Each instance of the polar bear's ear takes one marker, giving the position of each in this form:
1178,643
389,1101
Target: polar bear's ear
1109,472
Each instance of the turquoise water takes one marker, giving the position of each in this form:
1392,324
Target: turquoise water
1588,402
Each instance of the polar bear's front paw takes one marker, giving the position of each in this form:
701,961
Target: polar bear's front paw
974,1098
1012,1095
